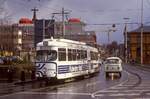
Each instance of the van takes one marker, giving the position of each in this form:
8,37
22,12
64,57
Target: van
113,65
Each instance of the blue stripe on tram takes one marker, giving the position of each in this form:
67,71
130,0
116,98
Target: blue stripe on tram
63,69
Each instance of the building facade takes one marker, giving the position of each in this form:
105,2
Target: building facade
43,29
134,45
6,40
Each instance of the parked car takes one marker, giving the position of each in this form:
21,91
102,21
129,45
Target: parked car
7,60
1,61
113,65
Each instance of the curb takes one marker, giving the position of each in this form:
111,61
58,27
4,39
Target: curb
24,82
139,65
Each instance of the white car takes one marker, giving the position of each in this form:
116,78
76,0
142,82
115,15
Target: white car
113,65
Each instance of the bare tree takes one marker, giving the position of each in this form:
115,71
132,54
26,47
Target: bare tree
5,17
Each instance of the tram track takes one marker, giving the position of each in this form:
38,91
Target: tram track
136,78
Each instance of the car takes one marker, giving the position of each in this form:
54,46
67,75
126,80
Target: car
113,65
1,61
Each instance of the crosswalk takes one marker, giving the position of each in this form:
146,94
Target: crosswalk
121,92
128,90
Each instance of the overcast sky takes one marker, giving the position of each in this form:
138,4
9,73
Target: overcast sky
89,11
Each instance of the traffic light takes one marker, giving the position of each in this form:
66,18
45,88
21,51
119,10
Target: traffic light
113,25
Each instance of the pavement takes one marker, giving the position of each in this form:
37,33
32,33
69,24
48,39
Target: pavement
5,83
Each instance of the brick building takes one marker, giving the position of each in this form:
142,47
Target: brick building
134,45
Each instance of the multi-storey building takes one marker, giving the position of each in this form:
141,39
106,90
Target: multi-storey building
6,40
72,27
134,45
75,30
17,39
43,29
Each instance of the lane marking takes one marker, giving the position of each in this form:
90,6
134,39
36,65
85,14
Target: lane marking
122,91
59,93
94,93
93,83
117,95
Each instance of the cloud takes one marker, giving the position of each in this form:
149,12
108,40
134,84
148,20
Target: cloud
90,11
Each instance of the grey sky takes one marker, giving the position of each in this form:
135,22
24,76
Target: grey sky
90,11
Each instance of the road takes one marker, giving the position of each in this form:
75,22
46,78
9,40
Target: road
134,84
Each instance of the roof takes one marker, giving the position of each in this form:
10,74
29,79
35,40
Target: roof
145,29
25,21
114,58
74,20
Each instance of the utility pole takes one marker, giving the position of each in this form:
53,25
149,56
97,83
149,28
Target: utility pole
34,13
63,13
125,41
141,31
108,36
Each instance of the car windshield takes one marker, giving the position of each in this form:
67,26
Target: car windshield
112,61
46,55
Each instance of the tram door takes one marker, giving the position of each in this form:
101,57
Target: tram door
89,61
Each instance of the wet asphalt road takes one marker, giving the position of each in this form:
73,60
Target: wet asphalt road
134,84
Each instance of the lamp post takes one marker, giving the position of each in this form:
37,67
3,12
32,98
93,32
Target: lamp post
125,40
141,31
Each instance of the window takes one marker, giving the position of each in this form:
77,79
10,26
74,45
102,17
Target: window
46,55
78,54
74,53
61,54
112,61
94,56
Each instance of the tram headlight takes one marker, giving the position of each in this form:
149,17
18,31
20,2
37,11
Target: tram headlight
50,70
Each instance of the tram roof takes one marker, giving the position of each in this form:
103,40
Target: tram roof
62,42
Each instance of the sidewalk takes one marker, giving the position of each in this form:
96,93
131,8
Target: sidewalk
5,83
141,65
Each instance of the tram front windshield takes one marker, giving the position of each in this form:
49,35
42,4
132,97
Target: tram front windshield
46,55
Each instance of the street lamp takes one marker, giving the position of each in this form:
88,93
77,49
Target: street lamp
141,31
125,40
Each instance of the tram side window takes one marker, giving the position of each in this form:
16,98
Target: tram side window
94,56
69,55
84,54
78,54
61,54
74,53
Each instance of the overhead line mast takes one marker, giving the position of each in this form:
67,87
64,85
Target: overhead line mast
63,13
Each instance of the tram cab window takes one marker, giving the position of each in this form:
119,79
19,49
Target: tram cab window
61,54
46,55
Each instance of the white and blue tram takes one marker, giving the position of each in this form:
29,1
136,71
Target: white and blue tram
62,59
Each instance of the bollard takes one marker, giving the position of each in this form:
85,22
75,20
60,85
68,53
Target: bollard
10,75
33,75
22,76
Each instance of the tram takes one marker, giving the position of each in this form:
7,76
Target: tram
63,58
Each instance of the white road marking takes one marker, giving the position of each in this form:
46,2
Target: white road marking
119,94
94,93
93,83
122,91
147,93
58,93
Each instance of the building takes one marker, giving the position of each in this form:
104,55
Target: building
43,29
6,40
72,27
134,45
75,30
17,39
